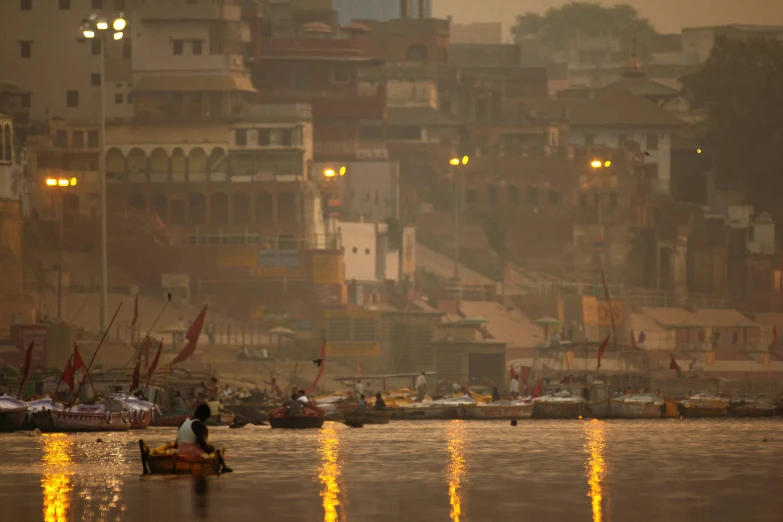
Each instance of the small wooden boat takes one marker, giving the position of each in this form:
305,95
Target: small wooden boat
443,409
311,417
223,419
141,412
560,405
505,410
704,405
367,417
638,406
164,460
169,420
12,413
758,407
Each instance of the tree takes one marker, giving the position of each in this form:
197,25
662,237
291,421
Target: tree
740,88
558,25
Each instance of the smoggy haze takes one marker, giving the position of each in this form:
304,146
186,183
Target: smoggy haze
666,15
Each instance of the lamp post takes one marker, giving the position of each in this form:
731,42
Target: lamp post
62,185
456,162
93,27
330,176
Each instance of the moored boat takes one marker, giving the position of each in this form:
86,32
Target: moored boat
367,417
12,413
311,417
141,412
169,419
443,409
108,416
758,407
559,405
502,410
638,406
703,405
164,460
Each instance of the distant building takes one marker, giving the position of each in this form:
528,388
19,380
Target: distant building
477,33
700,40
381,10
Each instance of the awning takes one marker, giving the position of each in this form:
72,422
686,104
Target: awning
195,83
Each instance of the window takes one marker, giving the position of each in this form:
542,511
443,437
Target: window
64,4
276,137
299,80
26,101
513,194
493,194
95,79
97,4
341,74
25,48
177,46
126,48
532,195
613,200
589,140
286,137
470,196
95,46
129,97
263,137
240,137
197,45
652,142
582,200
554,197
118,98
72,98
622,142
78,140
26,5
92,139
215,47
60,138
367,251
354,250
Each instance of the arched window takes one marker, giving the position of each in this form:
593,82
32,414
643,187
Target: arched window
137,166
178,166
218,209
115,164
197,209
159,166
197,165
264,208
240,208
159,203
417,53
286,208
218,165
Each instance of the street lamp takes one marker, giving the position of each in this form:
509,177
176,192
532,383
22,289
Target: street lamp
456,161
60,183
93,27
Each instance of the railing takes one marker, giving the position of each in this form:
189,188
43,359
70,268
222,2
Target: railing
234,334
472,292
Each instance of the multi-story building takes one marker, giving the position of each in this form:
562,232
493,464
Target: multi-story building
45,54
381,10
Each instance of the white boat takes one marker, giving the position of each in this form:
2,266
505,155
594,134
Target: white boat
559,405
704,405
442,409
637,406
107,416
501,410
12,413
141,412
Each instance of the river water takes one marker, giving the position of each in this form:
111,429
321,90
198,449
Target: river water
664,470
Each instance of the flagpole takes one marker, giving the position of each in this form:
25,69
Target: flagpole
61,377
87,370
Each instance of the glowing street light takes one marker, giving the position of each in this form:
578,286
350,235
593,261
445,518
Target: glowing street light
119,24
455,161
607,163
102,25
596,164
698,151
329,173
61,182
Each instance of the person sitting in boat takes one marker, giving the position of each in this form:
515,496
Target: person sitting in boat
215,408
178,404
421,387
514,387
362,404
496,394
302,397
295,406
192,435
380,404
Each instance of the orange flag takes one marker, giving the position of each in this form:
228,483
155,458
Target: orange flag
192,337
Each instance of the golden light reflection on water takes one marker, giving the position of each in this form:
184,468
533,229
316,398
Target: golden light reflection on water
329,474
56,481
596,465
457,467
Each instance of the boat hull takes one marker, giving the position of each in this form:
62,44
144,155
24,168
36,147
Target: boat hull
297,422
173,465
369,417
558,410
755,411
12,420
704,410
492,412
598,410
636,410
170,420
431,413
70,421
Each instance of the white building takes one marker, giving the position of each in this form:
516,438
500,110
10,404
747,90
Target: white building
368,257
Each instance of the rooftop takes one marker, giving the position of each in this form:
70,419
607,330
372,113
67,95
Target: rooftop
613,106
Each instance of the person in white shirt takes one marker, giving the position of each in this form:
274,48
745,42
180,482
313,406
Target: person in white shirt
421,386
514,387
359,387
302,397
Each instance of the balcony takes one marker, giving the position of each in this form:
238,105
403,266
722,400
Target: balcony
205,10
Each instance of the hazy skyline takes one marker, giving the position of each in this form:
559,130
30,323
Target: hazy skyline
668,16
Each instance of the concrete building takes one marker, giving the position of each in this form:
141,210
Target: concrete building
477,33
381,10
368,254
45,53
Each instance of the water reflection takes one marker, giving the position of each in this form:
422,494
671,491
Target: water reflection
56,480
102,496
596,465
457,467
329,475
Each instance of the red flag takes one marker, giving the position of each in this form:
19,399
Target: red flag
154,366
537,391
135,379
28,359
601,350
310,388
673,364
192,337
68,376
78,362
135,311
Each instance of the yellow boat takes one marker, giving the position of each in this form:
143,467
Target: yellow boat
704,405
164,460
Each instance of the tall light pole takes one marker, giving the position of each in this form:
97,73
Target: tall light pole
456,162
62,184
93,26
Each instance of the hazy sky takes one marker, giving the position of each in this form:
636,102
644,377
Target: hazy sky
667,16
